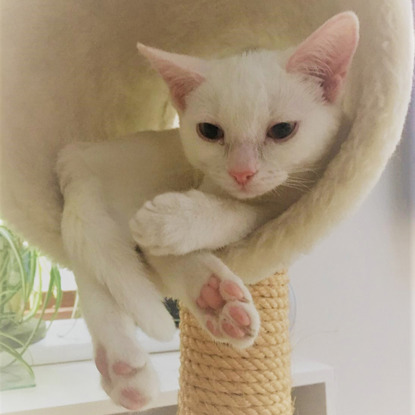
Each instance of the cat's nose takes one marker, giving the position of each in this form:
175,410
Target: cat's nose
242,177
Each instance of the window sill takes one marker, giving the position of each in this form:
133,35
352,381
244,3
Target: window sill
69,341
73,388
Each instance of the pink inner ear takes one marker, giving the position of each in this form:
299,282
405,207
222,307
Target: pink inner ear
181,73
181,83
327,53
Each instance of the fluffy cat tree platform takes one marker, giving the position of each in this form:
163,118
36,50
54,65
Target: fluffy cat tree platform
78,81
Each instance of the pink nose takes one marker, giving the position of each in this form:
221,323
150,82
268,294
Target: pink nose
242,177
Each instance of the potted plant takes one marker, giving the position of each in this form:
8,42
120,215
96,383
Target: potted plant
22,305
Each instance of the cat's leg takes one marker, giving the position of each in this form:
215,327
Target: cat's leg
127,374
178,223
101,245
213,293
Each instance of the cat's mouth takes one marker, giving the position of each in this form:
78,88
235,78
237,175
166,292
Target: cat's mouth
256,187
250,190
242,193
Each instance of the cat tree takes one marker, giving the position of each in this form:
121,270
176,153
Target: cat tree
215,379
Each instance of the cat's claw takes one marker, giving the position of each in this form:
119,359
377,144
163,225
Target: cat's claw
228,311
131,385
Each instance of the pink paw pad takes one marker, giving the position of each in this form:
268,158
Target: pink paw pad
240,316
232,330
213,302
213,329
132,399
214,282
210,296
232,289
123,369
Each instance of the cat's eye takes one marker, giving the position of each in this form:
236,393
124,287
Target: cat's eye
282,130
210,132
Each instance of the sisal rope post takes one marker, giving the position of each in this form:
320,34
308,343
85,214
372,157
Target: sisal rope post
216,379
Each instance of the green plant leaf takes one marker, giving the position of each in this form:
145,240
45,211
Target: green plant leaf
76,309
43,309
6,234
36,302
55,275
32,265
4,265
17,356
12,339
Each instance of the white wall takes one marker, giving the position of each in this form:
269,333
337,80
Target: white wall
354,299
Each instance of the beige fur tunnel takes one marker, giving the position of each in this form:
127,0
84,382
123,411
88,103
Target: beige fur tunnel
71,72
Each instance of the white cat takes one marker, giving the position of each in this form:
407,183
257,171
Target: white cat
254,128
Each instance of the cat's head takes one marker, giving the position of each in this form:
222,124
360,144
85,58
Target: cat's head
251,121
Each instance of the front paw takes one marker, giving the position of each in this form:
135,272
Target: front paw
162,226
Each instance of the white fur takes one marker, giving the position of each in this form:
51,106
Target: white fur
210,222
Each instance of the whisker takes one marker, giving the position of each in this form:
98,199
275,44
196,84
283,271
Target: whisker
312,168
276,191
301,181
302,184
296,187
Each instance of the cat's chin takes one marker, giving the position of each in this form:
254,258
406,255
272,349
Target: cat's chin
246,193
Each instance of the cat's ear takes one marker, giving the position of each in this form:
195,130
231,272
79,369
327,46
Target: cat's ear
181,73
327,53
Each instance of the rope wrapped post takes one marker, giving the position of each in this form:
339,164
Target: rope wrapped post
216,379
